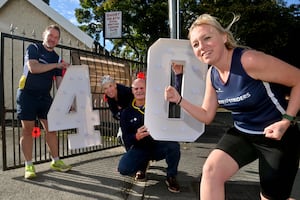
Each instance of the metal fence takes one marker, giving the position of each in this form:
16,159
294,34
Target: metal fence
12,50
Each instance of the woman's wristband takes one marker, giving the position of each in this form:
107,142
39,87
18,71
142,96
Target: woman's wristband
292,119
178,103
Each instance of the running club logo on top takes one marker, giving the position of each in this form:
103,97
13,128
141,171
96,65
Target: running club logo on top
234,99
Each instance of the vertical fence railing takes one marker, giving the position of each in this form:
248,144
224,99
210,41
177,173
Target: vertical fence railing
11,60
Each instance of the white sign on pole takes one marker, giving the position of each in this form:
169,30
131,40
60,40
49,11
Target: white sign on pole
75,86
161,55
113,24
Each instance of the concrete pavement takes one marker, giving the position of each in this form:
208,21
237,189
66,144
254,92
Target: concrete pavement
94,176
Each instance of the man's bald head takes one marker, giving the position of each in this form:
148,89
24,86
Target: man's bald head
138,81
139,88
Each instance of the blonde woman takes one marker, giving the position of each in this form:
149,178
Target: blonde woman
245,82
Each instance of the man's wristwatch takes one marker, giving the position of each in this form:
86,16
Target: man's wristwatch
292,119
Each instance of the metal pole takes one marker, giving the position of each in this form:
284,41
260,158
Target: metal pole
104,44
174,110
172,18
103,32
178,20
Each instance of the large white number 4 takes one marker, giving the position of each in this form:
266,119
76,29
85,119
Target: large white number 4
75,87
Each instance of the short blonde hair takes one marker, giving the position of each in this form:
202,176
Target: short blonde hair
212,21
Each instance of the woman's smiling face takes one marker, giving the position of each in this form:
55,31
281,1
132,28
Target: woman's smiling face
207,43
110,89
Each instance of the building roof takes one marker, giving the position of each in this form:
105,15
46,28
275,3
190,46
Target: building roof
60,20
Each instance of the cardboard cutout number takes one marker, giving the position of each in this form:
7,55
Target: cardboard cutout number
160,57
75,86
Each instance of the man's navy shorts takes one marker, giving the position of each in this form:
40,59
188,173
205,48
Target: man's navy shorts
31,104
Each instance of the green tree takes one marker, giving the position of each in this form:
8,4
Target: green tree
266,25
143,23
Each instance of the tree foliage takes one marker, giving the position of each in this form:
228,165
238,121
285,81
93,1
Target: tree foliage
266,25
143,23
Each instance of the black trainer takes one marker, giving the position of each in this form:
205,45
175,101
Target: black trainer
172,184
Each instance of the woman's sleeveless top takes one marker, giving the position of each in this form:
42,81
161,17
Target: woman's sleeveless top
254,104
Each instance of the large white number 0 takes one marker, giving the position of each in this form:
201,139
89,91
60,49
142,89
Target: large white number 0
161,55
75,86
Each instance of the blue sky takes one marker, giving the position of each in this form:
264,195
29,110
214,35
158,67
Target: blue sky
66,8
